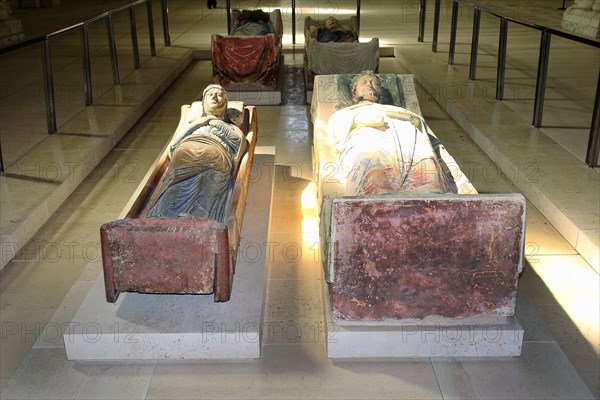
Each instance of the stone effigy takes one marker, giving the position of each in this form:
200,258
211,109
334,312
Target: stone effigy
404,235
203,160
382,148
250,56
182,232
334,31
332,47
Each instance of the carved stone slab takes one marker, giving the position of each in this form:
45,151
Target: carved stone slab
413,257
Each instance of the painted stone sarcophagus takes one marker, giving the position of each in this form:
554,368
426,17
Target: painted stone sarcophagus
404,234
332,47
250,56
183,254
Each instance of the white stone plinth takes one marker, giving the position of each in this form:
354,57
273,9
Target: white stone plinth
483,337
154,326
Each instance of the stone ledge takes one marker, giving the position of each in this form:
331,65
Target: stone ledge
15,235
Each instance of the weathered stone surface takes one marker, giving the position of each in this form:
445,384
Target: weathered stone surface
176,255
414,257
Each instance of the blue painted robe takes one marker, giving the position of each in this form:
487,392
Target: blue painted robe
200,176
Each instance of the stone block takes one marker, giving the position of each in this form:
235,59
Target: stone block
412,257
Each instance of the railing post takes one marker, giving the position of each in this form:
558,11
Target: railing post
87,65
453,32
540,84
358,16
501,59
165,22
422,10
228,16
134,40
593,149
563,6
1,161
48,86
474,44
436,25
151,28
293,21
112,48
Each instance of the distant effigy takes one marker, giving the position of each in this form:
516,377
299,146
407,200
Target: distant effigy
250,56
200,176
252,23
334,31
332,47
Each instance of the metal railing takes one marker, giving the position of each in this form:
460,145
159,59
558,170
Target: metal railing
44,42
593,149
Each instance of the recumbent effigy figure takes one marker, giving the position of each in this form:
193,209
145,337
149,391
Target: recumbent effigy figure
250,56
334,31
383,149
333,48
376,149
181,233
403,233
201,173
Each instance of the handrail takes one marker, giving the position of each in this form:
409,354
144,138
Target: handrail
593,148
44,40
37,39
556,32
165,21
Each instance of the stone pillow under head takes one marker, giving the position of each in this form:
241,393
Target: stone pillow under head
235,113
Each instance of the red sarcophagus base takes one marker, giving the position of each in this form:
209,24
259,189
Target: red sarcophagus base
176,256
412,258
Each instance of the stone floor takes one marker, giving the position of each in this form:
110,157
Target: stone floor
47,280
